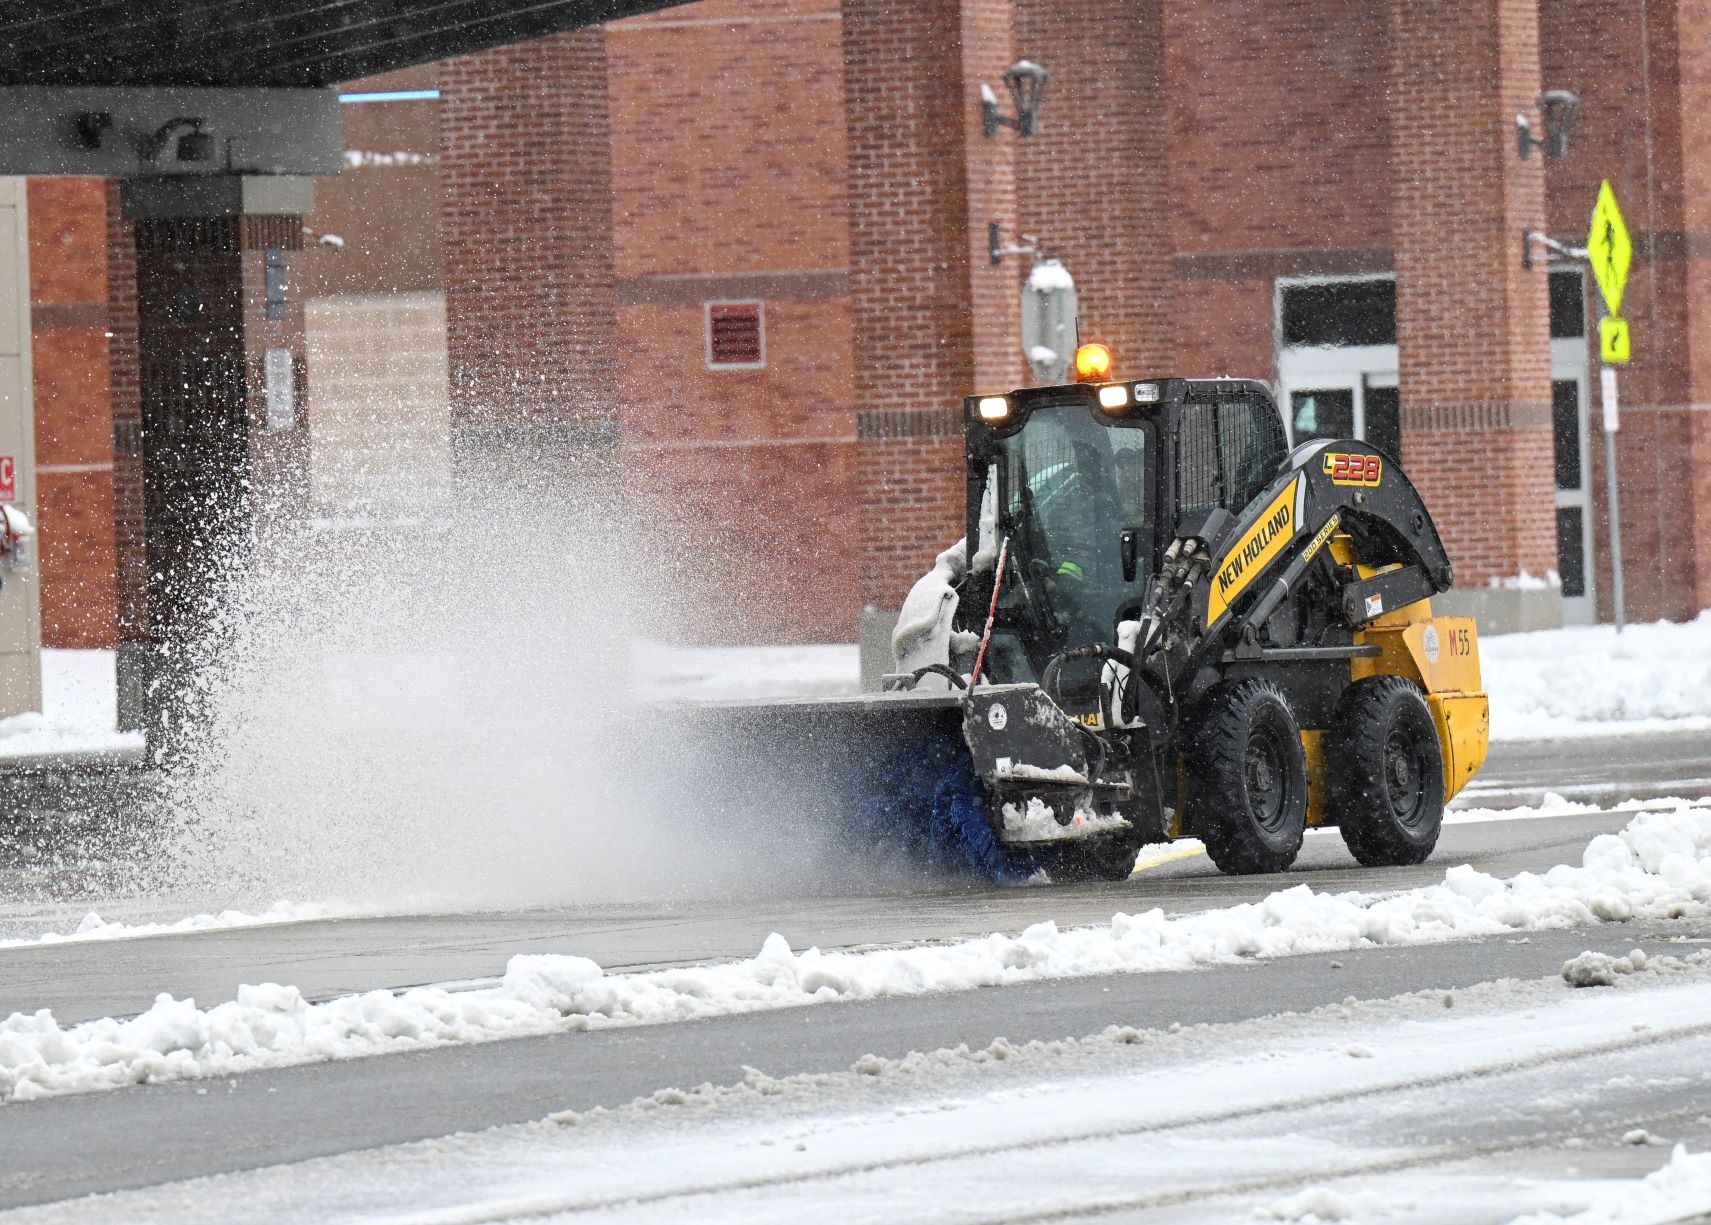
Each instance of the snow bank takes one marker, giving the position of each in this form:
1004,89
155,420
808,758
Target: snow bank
1659,866
94,927
1581,681
79,710
1681,1189
1590,680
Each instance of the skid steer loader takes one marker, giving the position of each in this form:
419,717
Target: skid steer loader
1163,622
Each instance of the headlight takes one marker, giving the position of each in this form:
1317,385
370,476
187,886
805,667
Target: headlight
1114,396
1146,393
993,408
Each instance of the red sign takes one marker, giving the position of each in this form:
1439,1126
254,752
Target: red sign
8,479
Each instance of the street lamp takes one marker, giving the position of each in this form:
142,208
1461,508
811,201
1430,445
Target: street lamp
1558,106
1026,81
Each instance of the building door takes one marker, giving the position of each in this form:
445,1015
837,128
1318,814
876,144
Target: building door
1571,430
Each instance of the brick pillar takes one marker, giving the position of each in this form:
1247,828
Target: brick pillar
527,220
933,320
203,451
1472,326
1093,185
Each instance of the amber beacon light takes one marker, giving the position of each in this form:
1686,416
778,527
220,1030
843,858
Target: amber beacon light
1092,364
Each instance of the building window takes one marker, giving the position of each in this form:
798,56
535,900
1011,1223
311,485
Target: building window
1339,313
736,335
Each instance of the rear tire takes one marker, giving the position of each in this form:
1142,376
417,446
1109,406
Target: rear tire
1247,778
1384,773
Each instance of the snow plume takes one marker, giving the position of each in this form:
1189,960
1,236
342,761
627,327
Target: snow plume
432,713
1658,867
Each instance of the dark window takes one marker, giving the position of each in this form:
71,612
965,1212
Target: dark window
1322,414
1384,420
1565,426
1340,313
1568,306
1571,550
734,336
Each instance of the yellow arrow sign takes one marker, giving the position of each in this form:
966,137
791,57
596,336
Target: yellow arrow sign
1614,342
1609,249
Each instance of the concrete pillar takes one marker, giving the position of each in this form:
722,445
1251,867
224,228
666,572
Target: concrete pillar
20,594
216,432
527,230
1643,73
933,319
1093,183
1472,325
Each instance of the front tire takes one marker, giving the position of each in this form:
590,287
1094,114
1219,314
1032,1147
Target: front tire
1384,773
1247,778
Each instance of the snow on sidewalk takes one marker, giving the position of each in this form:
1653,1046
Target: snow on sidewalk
1579,681
80,710
1659,866
1590,680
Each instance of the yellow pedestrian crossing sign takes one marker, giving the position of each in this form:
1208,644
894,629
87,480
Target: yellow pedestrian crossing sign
1609,249
1614,344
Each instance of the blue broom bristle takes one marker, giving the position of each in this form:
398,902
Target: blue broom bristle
927,803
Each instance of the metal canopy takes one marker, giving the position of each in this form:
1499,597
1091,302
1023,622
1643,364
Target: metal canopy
267,42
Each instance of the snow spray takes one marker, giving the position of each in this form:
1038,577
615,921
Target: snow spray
433,712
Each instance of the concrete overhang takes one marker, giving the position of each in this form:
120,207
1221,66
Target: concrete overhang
168,132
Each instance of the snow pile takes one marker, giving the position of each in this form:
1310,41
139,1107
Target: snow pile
1590,680
1676,1192
1592,969
79,710
1657,867
94,927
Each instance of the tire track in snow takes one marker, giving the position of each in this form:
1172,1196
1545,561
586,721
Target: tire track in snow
556,1207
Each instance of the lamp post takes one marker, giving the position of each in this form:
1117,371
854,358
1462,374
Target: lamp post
1559,107
1026,81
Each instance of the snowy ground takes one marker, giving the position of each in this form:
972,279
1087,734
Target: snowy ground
79,714
1479,1105
1592,681
1657,868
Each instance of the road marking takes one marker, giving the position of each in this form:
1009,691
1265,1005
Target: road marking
1168,857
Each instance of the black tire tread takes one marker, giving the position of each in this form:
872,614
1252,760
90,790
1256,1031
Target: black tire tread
1354,749
1217,803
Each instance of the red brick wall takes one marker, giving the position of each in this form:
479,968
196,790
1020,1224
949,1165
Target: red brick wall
1279,163
1472,325
1093,183
74,441
1649,139
1280,124
734,189
730,113
933,321
526,220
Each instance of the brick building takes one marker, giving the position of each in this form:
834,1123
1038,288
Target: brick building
744,244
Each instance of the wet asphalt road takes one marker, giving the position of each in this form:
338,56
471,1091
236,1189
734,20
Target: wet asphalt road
137,1137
